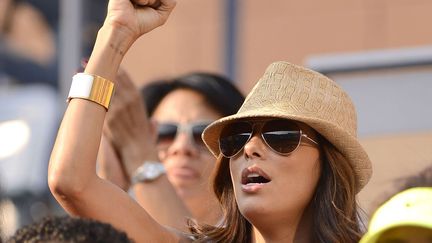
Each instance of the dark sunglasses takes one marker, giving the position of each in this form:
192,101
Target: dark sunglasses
167,132
280,135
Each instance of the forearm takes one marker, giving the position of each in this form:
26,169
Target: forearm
158,197
110,47
73,160
161,201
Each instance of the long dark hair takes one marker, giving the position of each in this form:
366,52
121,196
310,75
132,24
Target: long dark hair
334,204
219,91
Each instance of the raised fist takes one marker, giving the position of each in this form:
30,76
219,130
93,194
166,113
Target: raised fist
137,17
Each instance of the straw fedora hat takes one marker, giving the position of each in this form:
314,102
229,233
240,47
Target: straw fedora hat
296,93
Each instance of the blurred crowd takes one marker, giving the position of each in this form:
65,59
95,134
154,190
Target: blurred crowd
29,94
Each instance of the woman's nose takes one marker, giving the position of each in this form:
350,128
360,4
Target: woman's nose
255,147
183,144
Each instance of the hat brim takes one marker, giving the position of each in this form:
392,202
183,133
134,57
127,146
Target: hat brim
346,143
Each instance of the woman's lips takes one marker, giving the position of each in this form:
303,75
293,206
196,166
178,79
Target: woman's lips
252,187
253,179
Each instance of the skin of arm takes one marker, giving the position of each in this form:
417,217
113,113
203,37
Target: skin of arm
132,137
109,166
72,170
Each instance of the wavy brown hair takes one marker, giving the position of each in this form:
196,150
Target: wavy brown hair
334,204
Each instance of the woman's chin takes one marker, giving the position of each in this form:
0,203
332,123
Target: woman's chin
253,210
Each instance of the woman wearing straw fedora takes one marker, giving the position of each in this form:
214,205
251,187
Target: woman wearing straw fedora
289,163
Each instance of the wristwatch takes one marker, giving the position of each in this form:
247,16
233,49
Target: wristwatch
148,171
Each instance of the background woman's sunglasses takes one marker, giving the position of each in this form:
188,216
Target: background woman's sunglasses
281,135
167,132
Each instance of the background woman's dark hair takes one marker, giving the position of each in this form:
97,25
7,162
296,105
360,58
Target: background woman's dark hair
334,204
219,91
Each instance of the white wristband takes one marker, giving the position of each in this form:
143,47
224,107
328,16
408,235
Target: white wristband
91,87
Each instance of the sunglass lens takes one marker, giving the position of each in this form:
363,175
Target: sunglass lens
197,131
233,138
283,136
166,133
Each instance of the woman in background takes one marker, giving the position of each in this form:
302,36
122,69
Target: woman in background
180,108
